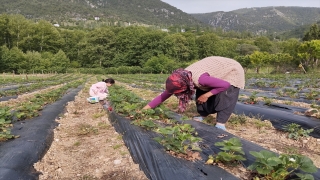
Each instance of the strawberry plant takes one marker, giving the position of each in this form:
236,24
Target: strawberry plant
275,84
158,113
313,94
129,109
231,152
292,93
147,124
28,110
269,166
144,118
238,120
300,87
51,97
296,132
280,92
260,84
5,124
252,98
314,111
178,138
267,101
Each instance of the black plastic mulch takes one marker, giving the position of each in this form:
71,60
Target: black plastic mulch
7,98
211,135
17,156
279,116
271,94
155,162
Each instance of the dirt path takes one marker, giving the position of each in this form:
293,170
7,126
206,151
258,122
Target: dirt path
86,146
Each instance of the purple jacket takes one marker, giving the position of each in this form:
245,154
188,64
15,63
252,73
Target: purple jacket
215,84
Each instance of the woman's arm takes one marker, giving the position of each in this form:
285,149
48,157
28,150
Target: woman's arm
158,100
217,85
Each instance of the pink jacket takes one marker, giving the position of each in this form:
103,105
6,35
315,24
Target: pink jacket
100,90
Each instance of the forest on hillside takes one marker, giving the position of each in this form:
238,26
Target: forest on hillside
35,47
150,12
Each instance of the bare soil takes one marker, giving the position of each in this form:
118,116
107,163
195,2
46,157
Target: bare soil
86,146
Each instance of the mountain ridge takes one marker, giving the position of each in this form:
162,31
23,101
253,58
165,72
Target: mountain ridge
144,11
262,19
258,20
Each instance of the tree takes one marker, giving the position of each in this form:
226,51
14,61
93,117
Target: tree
246,49
191,38
71,40
208,45
18,28
227,48
279,59
97,50
42,37
264,44
161,64
312,34
60,62
128,45
291,47
259,59
244,61
4,30
309,52
3,64
177,47
32,62
150,44
12,59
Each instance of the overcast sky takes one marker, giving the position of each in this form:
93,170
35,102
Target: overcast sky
205,6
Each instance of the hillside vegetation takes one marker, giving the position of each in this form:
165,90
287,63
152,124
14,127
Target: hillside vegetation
150,12
262,20
29,46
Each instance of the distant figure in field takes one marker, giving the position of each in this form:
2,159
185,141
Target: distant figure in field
100,89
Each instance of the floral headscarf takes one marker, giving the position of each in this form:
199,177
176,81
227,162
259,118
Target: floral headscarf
181,85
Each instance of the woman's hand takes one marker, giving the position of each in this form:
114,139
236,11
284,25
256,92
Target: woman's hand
146,107
204,97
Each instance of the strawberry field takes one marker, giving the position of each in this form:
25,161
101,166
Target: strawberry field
273,134
28,109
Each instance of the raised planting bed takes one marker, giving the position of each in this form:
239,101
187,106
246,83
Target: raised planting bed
126,107
156,162
279,116
18,155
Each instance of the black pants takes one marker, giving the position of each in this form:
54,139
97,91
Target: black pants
223,104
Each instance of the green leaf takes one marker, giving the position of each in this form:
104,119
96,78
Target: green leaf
263,171
274,161
305,176
256,154
306,165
